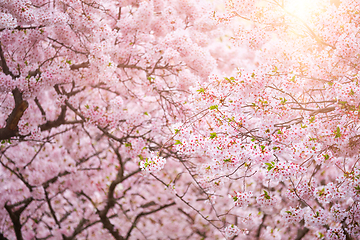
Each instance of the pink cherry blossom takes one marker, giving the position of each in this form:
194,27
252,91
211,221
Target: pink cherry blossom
179,119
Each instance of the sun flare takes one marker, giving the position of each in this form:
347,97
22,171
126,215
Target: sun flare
303,9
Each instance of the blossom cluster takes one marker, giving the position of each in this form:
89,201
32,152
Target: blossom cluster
264,98
231,231
328,193
241,199
315,218
153,163
292,215
267,200
284,170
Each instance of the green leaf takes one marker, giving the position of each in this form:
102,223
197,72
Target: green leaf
87,106
201,90
270,165
213,107
326,156
213,135
312,119
343,102
266,195
177,142
292,79
146,164
351,92
151,79
253,75
127,144
177,131
230,80
283,101
279,132
337,133
146,113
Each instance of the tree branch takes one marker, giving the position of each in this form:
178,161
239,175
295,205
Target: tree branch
56,123
11,128
15,216
144,214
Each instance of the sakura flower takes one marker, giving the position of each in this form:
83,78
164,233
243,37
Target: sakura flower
154,163
231,231
315,219
241,199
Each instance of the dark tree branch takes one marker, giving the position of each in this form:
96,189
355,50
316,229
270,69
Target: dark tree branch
258,232
23,28
137,218
110,227
79,228
2,237
301,233
40,107
4,66
12,121
48,200
110,203
56,123
80,65
11,128
15,216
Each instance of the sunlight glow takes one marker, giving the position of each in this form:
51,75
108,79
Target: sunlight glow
303,9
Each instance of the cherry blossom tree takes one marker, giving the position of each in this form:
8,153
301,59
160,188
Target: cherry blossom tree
147,119
90,91
282,139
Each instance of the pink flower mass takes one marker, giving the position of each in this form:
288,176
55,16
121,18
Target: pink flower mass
179,119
